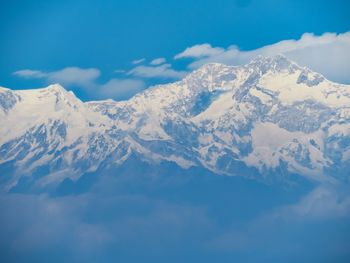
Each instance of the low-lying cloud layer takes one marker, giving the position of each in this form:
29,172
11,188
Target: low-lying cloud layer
177,219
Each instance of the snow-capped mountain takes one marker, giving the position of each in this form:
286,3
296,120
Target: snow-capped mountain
269,118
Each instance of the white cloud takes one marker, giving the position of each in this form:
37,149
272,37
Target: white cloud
328,54
326,201
28,73
161,71
67,76
75,76
120,88
138,61
158,61
199,51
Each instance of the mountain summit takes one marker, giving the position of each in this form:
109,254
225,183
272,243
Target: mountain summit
268,119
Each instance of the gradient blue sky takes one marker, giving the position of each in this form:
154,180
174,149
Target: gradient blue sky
49,36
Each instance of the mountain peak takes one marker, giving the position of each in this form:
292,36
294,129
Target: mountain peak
277,63
56,88
211,67
271,59
260,65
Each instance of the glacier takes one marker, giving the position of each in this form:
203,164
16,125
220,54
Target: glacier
269,120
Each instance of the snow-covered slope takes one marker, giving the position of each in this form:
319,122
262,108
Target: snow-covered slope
269,118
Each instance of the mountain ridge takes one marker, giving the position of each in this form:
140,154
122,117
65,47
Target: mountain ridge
218,117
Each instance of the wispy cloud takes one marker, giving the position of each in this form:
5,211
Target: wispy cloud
200,51
67,76
158,61
138,61
119,71
28,73
161,71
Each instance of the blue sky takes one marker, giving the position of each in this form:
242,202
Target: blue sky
58,39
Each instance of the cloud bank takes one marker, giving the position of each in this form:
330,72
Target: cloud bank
177,217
